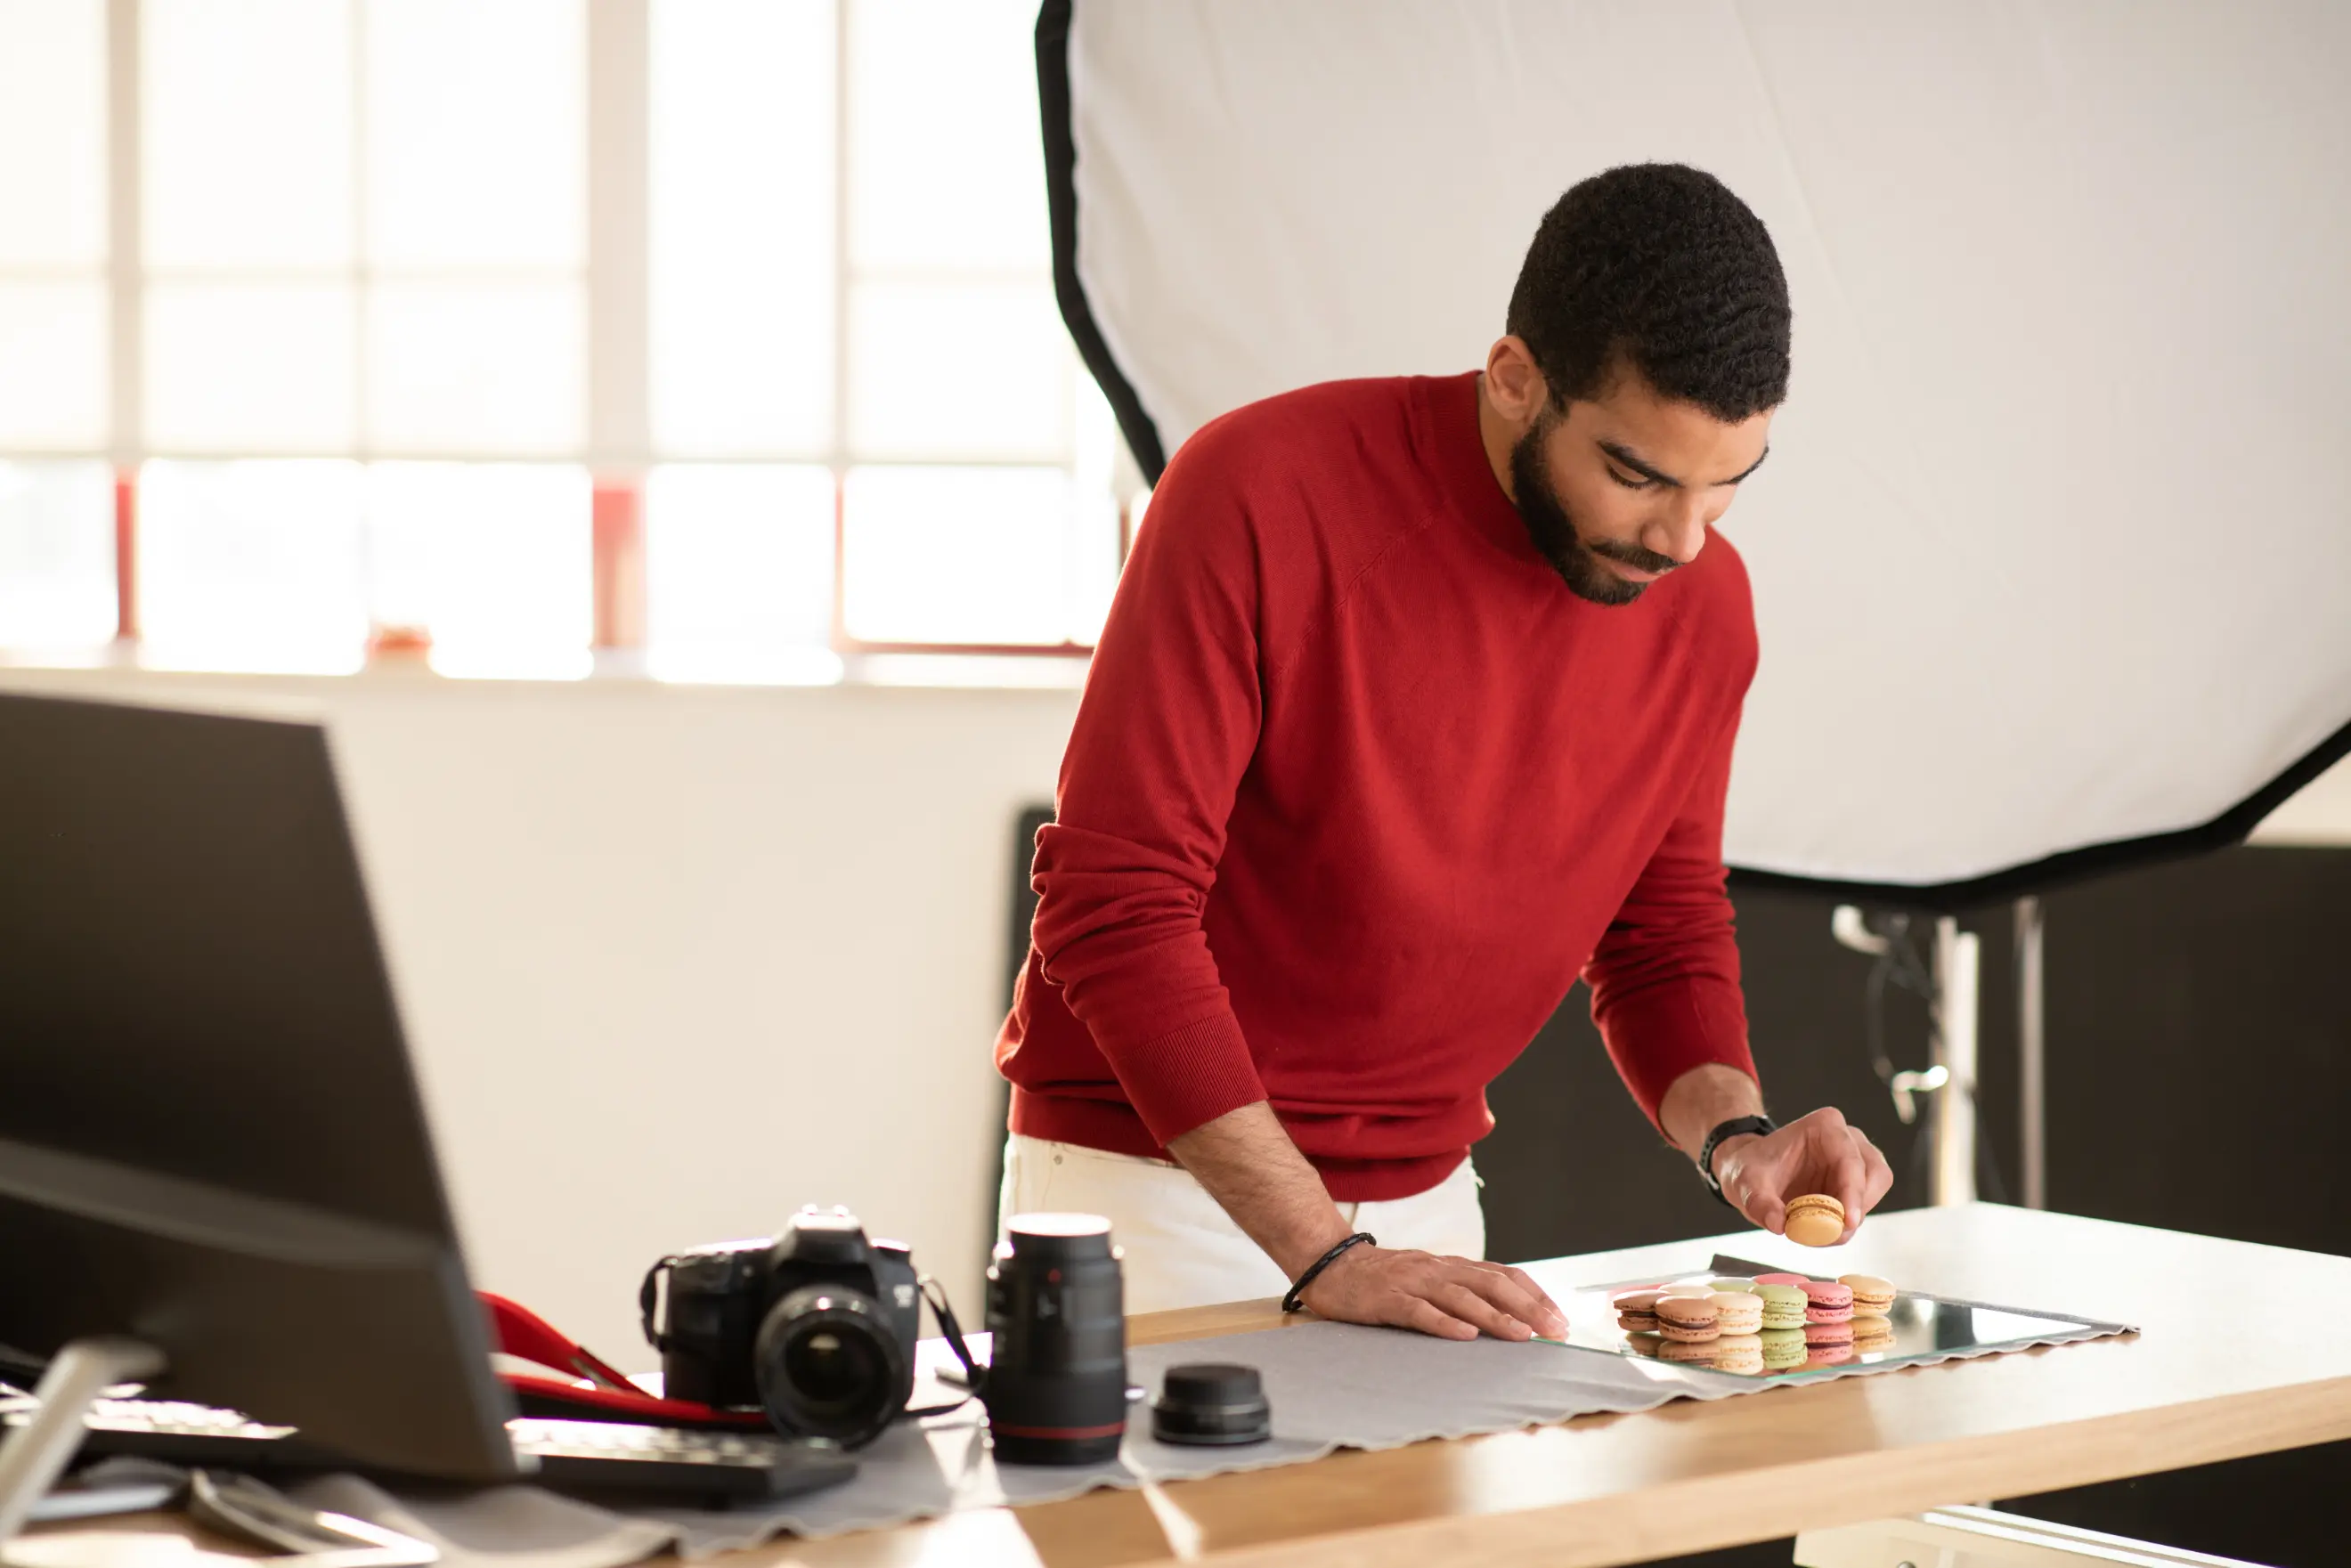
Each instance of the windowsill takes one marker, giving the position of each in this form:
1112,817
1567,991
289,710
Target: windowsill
1042,671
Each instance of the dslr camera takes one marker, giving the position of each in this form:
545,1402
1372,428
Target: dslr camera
816,1326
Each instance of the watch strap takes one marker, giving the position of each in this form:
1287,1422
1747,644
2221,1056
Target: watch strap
1737,1126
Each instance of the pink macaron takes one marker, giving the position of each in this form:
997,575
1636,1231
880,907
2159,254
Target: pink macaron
1827,1301
1799,1280
1829,1334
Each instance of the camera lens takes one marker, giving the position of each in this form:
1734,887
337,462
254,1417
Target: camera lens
830,1373
1056,1388
829,1366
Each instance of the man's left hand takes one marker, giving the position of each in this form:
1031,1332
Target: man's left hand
1816,1153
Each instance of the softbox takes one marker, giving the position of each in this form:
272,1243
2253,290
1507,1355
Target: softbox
2052,557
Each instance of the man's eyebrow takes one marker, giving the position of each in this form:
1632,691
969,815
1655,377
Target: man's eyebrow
1620,454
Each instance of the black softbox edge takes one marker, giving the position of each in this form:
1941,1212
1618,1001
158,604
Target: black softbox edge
1061,210
1136,424
2069,866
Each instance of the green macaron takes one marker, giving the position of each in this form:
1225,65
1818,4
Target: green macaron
1783,1306
1783,1349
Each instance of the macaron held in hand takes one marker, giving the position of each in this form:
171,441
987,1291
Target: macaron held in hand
1816,1219
1819,1155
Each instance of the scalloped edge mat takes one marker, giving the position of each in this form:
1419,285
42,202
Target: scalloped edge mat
1332,1386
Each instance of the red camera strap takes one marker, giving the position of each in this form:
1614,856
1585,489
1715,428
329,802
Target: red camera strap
607,1396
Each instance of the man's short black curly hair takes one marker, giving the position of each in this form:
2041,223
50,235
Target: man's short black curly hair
1657,267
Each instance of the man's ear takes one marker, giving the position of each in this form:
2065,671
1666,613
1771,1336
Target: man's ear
1514,386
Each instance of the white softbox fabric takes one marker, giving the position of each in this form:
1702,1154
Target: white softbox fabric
2052,557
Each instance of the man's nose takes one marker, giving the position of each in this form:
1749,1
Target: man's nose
1683,533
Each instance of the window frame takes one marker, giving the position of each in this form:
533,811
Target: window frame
617,450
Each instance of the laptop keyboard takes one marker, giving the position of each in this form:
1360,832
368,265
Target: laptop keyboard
585,1455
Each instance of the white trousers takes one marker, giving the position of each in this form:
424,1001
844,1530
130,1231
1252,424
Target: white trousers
1181,1249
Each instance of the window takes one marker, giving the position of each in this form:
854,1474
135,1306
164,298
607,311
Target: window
53,383
913,351
317,343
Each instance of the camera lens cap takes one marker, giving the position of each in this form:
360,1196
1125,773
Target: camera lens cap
1212,1402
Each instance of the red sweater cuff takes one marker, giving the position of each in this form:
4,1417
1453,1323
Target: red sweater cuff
1663,1030
1181,1081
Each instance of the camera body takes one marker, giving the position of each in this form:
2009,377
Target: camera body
817,1325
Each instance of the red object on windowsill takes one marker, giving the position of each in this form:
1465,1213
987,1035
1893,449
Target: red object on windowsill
581,1385
399,643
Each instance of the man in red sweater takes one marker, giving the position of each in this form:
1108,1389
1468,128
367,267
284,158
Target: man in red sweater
1417,701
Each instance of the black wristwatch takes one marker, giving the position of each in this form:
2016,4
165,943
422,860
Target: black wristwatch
1736,1127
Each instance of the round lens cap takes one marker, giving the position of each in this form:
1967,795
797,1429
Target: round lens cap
1212,1402
1058,1235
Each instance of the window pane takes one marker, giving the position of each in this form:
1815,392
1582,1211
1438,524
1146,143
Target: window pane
52,133
250,565
254,368
945,155
245,131
742,231
738,573
1093,553
492,558
959,370
477,132
478,367
57,555
53,364
956,555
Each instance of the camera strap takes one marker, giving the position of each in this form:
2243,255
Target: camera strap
952,1332
581,1385
601,1393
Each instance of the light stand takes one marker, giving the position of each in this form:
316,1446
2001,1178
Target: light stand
2031,1109
1952,1177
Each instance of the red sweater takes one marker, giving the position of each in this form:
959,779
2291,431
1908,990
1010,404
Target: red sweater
1358,788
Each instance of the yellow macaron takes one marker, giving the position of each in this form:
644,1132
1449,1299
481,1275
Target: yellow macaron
1814,1219
1872,1297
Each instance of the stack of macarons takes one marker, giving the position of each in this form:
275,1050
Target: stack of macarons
1696,1324
1773,1322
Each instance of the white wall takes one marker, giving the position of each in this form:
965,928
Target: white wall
677,960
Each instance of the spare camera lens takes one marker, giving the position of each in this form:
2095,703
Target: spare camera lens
1056,1388
829,1365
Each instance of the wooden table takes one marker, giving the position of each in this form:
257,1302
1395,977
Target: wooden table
2205,1381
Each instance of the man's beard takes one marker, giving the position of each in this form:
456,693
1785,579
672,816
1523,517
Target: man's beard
1577,561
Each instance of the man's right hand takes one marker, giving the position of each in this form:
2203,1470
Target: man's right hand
1452,1298
1249,1166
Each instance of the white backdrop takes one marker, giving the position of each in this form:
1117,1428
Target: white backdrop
2054,548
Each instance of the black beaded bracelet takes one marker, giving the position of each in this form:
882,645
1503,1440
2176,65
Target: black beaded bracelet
1290,1303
